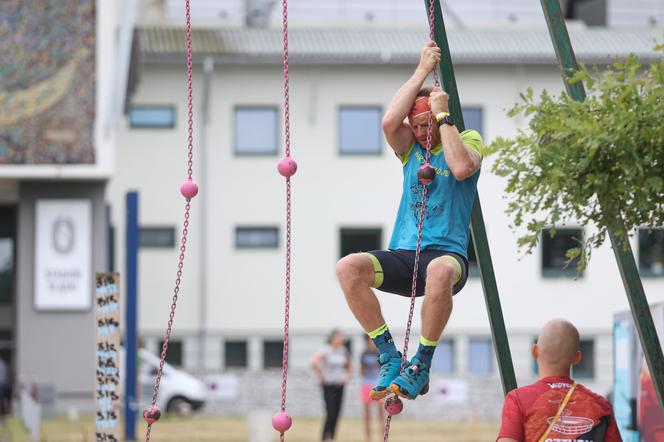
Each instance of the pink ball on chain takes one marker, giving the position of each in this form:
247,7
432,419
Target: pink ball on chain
281,421
426,173
393,405
287,167
189,189
152,414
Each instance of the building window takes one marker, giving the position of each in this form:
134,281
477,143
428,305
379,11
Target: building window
256,130
360,130
553,252
152,117
592,13
174,353
473,268
481,356
651,252
443,358
472,118
273,354
585,368
158,237
256,237
235,354
6,270
360,240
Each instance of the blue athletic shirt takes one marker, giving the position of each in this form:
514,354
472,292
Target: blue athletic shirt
449,202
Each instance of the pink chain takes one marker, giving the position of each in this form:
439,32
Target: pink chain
388,421
432,37
286,83
284,364
185,227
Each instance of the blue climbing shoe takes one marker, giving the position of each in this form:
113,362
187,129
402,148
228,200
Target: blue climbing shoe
413,381
390,367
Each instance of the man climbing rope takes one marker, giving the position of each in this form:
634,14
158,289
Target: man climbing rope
442,269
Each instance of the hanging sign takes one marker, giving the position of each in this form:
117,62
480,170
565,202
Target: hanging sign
107,358
63,253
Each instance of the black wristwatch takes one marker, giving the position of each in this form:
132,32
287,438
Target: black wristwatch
447,119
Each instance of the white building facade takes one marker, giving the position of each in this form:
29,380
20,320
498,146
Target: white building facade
347,60
345,194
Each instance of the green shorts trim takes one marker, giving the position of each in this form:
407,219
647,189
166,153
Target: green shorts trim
378,271
456,264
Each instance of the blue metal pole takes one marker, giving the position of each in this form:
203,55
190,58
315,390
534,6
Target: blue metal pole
132,237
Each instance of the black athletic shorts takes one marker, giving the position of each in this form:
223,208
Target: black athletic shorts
394,270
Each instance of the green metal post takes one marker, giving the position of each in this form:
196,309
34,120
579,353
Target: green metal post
491,297
621,248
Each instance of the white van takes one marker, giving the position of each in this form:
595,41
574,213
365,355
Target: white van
179,392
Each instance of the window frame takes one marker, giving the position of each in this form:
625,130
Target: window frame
267,342
170,107
174,344
7,298
380,138
435,368
479,108
277,131
592,372
257,247
351,230
141,236
647,272
490,355
564,272
243,342
473,266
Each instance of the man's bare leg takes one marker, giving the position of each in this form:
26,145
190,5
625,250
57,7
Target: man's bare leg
437,305
436,309
356,276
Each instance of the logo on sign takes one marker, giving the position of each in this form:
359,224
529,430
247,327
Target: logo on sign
63,235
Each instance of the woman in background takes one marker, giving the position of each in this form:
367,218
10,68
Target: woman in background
332,366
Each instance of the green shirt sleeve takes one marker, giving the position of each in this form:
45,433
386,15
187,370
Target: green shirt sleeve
404,156
473,140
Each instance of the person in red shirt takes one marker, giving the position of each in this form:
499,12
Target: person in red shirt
556,408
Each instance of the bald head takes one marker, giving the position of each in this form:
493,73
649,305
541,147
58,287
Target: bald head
558,345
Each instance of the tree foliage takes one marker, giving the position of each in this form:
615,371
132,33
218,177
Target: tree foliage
600,161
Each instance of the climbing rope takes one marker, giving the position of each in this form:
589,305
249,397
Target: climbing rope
188,189
287,167
424,180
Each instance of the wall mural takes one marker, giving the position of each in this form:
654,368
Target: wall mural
47,81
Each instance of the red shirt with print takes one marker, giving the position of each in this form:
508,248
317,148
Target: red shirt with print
529,410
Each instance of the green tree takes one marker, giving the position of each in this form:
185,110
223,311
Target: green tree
599,162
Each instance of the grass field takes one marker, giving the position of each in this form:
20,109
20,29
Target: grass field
224,429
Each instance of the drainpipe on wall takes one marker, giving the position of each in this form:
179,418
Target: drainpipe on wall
123,57
208,69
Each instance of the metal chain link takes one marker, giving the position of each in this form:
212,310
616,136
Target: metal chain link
284,364
286,75
185,226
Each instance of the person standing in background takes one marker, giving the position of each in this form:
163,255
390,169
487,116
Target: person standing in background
556,408
370,371
333,368
4,391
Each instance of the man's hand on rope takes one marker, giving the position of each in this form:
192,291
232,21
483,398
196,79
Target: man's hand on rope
429,57
438,101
